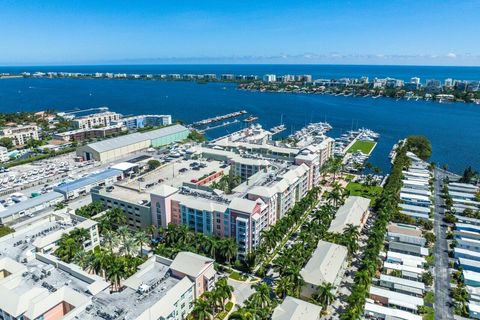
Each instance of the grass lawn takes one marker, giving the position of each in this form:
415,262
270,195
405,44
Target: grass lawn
363,146
357,189
237,276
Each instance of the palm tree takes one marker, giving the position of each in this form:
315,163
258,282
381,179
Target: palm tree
123,232
229,249
151,230
140,239
261,296
116,216
351,231
110,239
99,263
215,299
293,273
128,246
68,247
335,166
363,278
81,258
210,246
283,287
115,274
201,310
225,291
334,197
269,238
245,314
325,295
250,260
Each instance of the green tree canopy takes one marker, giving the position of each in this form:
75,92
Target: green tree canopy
419,145
153,164
6,142
196,136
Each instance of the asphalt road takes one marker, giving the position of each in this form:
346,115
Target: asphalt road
443,309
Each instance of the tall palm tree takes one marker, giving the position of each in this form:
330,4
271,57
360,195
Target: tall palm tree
250,260
115,274
99,263
225,291
201,310
261,296
68,247
123,232
325,294
293,273
140,239
283,287
229,249
335,166
128,246
245,314
214,299
363,278
270,238
110,239
210,246
351,231
116,216
81,258
334,197
151,230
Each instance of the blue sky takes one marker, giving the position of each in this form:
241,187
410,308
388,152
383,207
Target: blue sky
440,32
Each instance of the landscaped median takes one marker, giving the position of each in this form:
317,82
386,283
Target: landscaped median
237,276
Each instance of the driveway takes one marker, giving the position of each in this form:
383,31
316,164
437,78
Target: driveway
241,291
443,310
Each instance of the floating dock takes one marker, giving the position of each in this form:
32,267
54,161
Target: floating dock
208,121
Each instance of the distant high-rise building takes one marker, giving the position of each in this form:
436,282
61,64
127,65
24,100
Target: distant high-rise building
270,78
415,80
433,83
227,77
288,78
449,82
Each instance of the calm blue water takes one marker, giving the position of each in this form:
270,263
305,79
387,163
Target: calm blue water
452,128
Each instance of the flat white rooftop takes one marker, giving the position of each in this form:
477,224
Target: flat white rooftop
398,299
406,189
416,174
408,196
460,226
414,208
406,259
471,275
403,267
375,309
403,282
470,253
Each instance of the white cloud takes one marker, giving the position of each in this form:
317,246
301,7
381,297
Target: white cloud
451,55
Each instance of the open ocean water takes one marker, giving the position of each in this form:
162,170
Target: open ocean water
453,128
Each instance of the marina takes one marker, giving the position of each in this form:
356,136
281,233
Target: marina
355,147
218,118
393,119
278,129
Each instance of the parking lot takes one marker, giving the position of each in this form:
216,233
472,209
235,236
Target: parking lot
176,172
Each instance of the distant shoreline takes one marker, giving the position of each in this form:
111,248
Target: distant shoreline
464,91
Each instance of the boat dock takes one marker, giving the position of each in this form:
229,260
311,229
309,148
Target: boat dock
208,121
224,124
